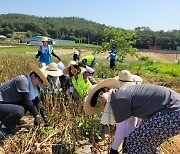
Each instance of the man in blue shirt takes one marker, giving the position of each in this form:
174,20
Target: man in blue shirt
113,57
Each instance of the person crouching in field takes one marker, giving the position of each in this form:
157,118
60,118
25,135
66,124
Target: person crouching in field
57,80
158,106
123,129
76,55
78,74
89,61
45,53
19,95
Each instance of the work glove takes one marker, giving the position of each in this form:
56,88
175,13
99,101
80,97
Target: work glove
46,123
36,56
36,120
112,151
81,64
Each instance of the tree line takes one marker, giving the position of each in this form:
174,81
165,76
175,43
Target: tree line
81,30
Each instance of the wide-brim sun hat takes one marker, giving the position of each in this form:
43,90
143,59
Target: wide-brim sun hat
125,79
53,69
40,72
44,39
109,83
66,70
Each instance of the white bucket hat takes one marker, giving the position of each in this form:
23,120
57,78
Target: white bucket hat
109,83
53,69
125,79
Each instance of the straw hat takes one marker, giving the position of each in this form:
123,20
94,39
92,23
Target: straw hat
125,79
53,69
44,39
109,83
66,70
41,73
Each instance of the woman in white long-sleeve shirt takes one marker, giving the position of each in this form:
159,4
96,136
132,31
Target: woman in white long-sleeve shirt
123,129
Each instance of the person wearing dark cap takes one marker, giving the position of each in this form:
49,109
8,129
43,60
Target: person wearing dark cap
19,95
157,106
89,61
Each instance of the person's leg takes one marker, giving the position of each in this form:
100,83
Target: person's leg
131,125
10,115
112,64
153,132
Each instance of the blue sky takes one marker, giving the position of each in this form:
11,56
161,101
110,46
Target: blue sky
127,14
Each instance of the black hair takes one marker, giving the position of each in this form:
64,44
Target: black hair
78,70
94,97
36,76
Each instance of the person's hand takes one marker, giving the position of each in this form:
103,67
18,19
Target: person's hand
36,56
107,58
36,120
46,123
112,151
81,64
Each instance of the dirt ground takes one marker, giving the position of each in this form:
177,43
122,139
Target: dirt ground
162,57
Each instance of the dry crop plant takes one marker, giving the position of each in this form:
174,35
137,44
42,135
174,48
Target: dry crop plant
68,122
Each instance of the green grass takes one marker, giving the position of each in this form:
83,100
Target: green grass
157,69
18,49
25,48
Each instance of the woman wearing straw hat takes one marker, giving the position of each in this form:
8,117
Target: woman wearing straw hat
45,53
79,78
19,95
53,76
159,107
123,129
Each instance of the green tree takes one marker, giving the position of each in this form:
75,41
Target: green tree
124,40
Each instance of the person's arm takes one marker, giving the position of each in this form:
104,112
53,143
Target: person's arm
119,134
71,87
39,106
38,54
28,104
131,125
56,56
89,69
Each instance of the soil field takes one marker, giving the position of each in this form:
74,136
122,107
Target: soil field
162,57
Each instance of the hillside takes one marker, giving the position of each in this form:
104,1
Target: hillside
56,27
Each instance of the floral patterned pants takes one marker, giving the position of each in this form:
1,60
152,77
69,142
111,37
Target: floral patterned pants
153,132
